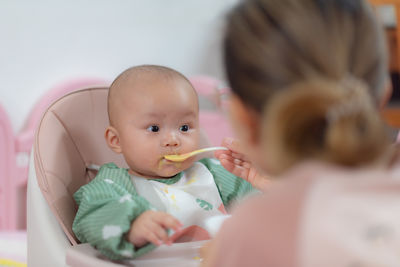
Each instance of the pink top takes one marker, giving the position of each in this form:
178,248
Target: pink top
317,215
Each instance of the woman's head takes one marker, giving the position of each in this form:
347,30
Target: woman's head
292,64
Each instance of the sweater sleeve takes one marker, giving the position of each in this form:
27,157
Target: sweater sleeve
107,207
231,188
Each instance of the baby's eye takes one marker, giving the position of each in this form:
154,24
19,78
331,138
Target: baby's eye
184,128
153,128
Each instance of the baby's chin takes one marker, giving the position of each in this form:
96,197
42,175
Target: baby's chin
170,170
165,169
169,173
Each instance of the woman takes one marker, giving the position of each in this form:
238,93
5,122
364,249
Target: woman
308,77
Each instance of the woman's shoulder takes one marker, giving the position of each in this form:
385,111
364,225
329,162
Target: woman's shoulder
309,201
346,213
307,186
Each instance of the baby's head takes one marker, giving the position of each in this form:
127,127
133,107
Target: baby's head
153,111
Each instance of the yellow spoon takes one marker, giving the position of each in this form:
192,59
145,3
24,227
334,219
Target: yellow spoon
183,157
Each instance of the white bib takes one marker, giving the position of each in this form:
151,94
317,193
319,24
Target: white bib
194,200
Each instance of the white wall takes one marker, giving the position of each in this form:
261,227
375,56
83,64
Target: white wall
44,42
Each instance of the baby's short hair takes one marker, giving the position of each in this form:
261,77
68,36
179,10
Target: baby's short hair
136,72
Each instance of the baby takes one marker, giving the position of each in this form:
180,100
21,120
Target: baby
124,213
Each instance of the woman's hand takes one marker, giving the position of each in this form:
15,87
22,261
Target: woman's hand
234,161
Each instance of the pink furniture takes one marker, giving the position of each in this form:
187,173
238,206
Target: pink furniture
7,156
14,158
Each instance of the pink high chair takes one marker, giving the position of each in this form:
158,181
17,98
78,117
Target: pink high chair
14,157
68,140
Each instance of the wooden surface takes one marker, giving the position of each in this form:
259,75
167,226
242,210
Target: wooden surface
393,34
392,116
393,49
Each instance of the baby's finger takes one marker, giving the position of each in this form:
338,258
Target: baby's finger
152,238
161,234
158,230
171,222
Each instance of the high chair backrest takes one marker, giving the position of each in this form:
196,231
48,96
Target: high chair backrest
68,139
7,155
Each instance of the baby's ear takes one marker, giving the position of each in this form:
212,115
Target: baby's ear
112,139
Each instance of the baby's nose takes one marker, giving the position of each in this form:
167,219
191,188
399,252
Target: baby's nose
171,140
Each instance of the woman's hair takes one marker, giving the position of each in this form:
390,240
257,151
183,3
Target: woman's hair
316,70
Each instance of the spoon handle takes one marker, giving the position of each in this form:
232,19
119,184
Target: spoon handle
209,149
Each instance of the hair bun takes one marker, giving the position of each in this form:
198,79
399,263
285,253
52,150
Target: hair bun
355,134
323,119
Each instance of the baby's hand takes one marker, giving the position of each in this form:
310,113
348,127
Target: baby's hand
234,161
151,226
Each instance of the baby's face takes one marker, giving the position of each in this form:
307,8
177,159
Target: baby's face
157,118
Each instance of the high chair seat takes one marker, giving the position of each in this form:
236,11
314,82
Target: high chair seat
69,138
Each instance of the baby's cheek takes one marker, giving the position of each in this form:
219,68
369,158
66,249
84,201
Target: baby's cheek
193,145
146,161
188,163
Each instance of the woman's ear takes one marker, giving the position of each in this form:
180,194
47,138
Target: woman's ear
112,139
245,122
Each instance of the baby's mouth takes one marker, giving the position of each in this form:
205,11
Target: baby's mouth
163,161
172,152
166,160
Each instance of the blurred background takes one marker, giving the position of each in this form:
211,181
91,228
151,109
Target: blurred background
48,47
47,42
388,12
